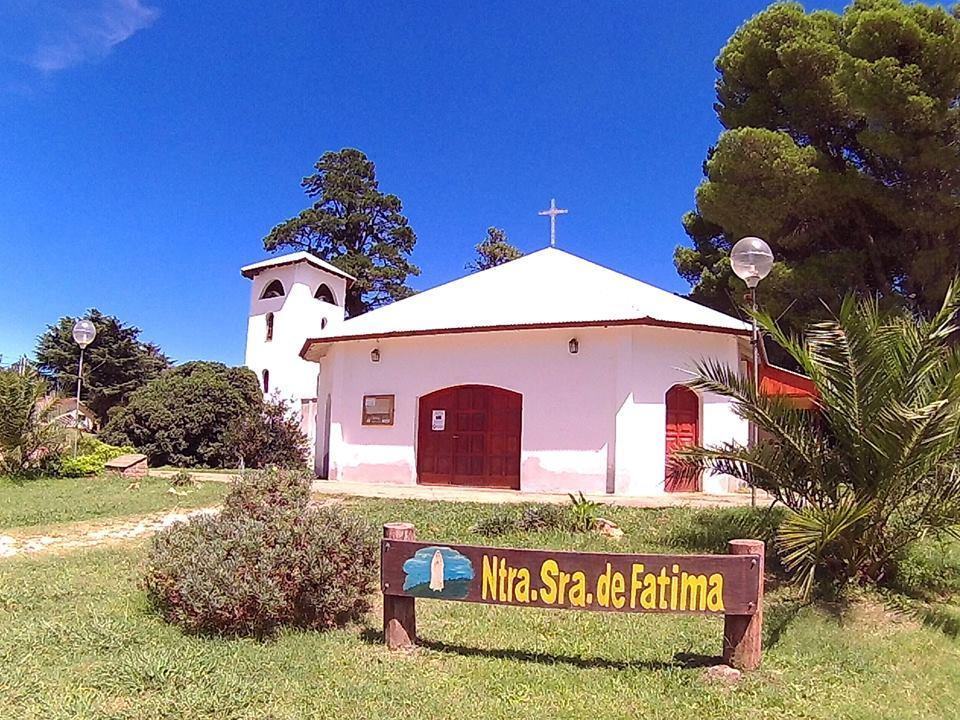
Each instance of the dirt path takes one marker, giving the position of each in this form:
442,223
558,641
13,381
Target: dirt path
74,536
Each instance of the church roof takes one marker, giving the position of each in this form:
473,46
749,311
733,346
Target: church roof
249,271
548,288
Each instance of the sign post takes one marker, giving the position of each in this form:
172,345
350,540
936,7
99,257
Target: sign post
730,585
742,634
399,611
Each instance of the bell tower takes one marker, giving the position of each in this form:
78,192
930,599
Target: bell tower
292,297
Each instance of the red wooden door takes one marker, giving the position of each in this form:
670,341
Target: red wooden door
475,441
683,428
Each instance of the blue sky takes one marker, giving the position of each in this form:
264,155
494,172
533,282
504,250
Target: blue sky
147,146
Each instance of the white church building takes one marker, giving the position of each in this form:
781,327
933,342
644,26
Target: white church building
548,373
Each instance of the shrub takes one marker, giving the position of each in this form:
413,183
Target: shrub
205,414
91,459
268,494
929,569
537,518
30,438
580,516
584,513
271,437
181,479
267,560
500,523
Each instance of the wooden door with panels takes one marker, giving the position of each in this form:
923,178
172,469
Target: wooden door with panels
683,429
469,435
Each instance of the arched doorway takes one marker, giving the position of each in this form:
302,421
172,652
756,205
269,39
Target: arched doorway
683,428
470,435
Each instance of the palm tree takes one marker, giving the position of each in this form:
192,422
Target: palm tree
874,466
29,434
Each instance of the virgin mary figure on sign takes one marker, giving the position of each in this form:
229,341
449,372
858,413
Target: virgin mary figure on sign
436,572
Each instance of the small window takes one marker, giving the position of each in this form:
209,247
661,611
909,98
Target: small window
325,294
269,327
266,380
273,290
378,409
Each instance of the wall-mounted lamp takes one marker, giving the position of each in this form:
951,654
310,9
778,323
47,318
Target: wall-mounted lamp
574,346
375,355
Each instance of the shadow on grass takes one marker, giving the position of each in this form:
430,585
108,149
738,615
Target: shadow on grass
710,530
680,661
777,618
936,616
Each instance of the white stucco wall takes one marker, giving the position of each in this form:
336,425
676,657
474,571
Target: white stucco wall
594,421
296,316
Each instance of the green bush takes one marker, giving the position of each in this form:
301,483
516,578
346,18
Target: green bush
929,569
30,438
500,523
181,418
584,513
580,516
92,460
181,479
271,437
538,518
266,561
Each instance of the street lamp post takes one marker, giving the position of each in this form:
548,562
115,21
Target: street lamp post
752,260
83,334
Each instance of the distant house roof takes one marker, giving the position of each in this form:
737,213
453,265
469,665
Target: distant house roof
548,288
65,409
67,406
250,271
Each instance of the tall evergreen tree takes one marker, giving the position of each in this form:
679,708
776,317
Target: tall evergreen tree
494,250
115,364
842,150
354,226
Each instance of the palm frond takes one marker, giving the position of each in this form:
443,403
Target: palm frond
805,536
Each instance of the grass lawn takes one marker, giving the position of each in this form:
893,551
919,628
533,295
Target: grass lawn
77,640
49,501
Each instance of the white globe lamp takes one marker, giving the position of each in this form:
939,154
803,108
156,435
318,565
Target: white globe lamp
751,260
83,333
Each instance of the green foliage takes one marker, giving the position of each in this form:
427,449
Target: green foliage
539,518
266,561
929,569
30,439
270,437
580,516
91,459
500,523
584,513
877,465
709,531
354,226
840,150
115,364
494,250
181,478
181,418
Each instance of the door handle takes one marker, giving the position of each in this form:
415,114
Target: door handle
456,437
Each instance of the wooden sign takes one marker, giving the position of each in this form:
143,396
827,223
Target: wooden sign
729,585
